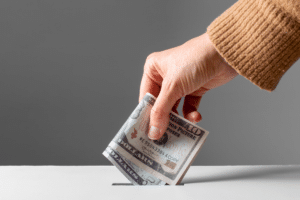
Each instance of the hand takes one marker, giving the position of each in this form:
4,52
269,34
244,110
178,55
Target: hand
189,71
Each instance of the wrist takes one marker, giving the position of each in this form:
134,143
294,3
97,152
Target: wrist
217,58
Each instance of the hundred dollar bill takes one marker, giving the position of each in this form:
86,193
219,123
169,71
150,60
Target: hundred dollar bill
168,158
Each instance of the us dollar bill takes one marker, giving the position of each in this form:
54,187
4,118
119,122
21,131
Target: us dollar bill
168,158
132,172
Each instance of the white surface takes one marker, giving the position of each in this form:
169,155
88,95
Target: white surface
201,182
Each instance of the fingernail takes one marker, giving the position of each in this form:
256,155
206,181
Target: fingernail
153,133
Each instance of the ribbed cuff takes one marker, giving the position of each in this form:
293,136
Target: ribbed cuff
258,39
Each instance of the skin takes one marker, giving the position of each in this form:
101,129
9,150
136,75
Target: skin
189,71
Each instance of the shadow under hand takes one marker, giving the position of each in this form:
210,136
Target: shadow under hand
230,173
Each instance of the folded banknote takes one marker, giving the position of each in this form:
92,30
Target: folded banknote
155,162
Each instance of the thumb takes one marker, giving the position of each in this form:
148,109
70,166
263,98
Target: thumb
159,117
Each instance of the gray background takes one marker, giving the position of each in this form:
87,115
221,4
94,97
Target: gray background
70,72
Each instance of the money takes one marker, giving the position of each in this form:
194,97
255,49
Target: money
132,172
162,161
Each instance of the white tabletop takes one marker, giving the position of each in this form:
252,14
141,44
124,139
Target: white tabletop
201,182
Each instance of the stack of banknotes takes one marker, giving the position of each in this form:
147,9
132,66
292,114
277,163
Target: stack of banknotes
155,162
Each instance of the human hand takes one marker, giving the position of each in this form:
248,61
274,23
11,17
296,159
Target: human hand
189,71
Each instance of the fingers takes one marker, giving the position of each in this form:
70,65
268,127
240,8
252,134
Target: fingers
148,85
159,117
190,106
152,79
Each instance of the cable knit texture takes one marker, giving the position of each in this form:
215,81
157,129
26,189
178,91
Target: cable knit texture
260,39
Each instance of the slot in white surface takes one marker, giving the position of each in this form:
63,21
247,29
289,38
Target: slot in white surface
200,182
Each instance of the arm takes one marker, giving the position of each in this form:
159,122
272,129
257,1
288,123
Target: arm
260,39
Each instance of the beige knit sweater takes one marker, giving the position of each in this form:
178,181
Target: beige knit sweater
260,39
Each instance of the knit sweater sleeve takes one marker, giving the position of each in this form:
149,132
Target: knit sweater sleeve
260,39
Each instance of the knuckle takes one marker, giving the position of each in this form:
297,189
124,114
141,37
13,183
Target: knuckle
158,113
170,85
151,56
172,88
150,60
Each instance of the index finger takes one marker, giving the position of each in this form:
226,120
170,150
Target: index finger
148,85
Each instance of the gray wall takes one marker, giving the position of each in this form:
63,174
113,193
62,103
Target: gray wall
70,72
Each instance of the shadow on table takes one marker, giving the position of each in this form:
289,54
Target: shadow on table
247,173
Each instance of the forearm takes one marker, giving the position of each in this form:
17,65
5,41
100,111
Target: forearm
260,39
